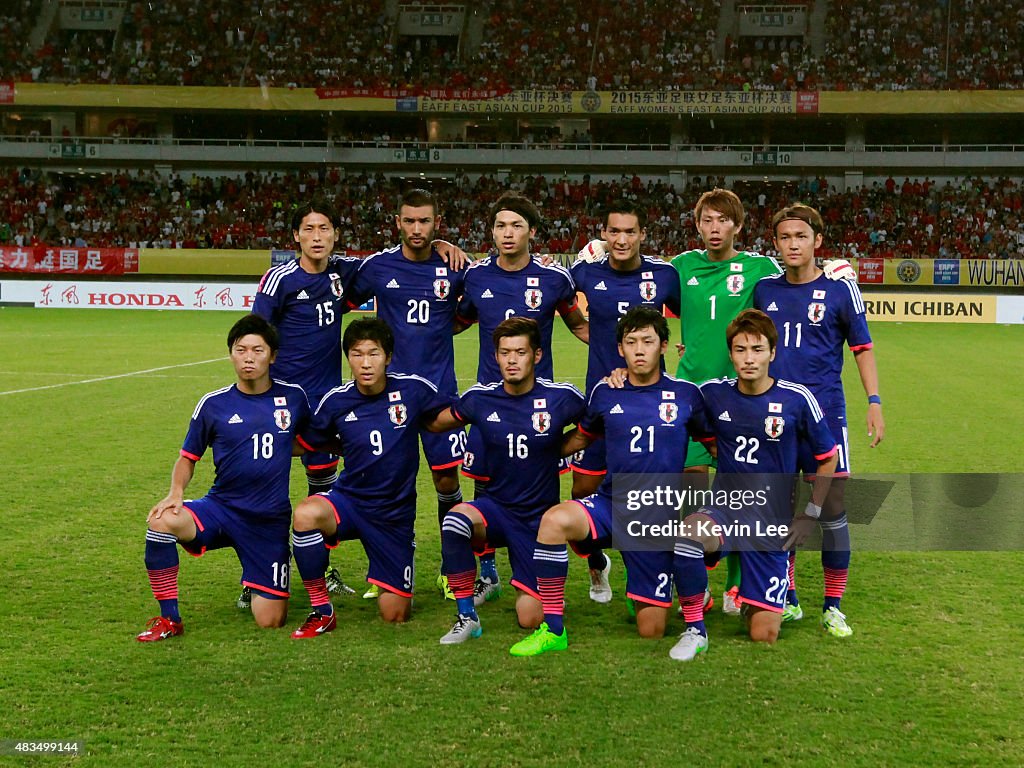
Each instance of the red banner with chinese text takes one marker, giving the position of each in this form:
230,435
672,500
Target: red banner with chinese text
45,259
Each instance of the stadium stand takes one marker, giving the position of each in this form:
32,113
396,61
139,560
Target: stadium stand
527,44
972,218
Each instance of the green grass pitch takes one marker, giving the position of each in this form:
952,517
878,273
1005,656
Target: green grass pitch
933,675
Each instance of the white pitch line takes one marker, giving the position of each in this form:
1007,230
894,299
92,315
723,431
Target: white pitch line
109,378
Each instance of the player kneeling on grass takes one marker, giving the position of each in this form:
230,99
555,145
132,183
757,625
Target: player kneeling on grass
520,421
760,425
373,422
251,427
645,425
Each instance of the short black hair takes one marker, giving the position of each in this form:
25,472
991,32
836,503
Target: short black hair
418,198
627,208
315,206
256,325
371,328
642,316
517,203
517,326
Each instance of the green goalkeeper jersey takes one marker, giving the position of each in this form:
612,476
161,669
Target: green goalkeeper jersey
713,293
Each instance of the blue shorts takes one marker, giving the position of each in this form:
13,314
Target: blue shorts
515,533
764,572
836,421
444,450
592,459
648,574
390,546
260,543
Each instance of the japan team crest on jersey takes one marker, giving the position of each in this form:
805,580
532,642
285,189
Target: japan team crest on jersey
337,287
648,290
534,297
283,419
398,414
442,288
773,426
735,284
541,422
816,311
668,412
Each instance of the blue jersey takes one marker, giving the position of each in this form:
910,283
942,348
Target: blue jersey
522,437
492,294
610,293
418,300
379,437
251,437
762,434
306,309
646,429
814,320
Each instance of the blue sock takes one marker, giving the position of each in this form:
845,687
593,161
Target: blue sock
551,566
488,568
691,579
457,560
835,559
162,567
791,597
596,561
311,558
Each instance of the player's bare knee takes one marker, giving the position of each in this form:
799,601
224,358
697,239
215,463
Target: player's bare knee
269,614
651,621
557,524
764,634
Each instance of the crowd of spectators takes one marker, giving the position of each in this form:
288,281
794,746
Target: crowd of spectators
968,218
528,44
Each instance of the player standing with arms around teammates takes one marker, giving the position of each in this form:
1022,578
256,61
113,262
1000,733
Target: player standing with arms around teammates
417,295
520,420
251,427
512,283
613,283
645,426
374,422
305,299
761,425
816,316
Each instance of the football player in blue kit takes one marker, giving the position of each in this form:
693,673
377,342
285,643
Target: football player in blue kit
617,279
250,426
374,422
646,425
417,294
816,317
305,299
511,283
760,424
520,420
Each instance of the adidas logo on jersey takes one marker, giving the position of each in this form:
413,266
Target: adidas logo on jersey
773,307
392,283
616,409
302,295
724,416
601,286
487,294
692,281
494,417
351,417
236,419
